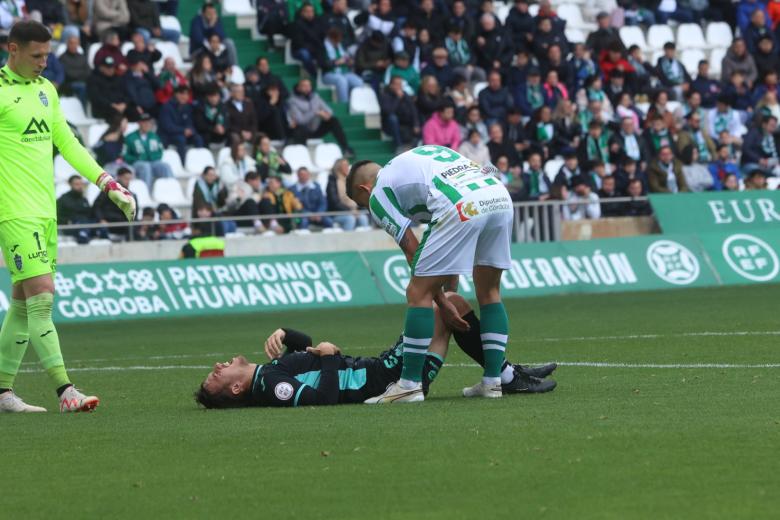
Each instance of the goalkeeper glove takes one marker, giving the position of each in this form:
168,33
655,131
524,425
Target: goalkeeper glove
118,195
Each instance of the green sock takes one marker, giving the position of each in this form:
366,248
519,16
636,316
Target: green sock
14,339
44,337
494,332
418,332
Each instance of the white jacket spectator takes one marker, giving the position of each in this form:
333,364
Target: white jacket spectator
11,11
583,203
475,149
234,167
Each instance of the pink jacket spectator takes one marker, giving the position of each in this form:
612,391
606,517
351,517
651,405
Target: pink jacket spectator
436,131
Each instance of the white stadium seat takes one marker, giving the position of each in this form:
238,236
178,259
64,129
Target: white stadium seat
141,192
690,59
575,35
326,154
96,131
171,157
689,36
74,112
126,47
236,75
322,180
479,87
131,127
93,48
658,35
502,11
223,154
168,50
362,100
197,159
60,189
297,155
62,169
719,35
573,16
533,9
168,191
190,188
170,22
237,8
288,57
716,62
633,35
655,57
552,167
92,192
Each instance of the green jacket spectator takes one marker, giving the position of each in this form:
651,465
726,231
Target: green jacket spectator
144,150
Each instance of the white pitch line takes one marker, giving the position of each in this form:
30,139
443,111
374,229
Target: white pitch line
654,336
579,364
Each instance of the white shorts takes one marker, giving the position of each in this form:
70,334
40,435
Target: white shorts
476,231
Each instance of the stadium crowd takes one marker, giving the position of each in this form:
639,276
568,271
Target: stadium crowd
577,121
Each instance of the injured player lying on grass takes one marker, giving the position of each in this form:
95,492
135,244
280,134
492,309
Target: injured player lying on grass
302,375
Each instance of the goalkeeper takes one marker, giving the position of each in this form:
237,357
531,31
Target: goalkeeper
305,376
31,124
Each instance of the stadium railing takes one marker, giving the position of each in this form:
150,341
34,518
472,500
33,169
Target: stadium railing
534,221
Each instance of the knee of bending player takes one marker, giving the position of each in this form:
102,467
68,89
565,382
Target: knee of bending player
419,293
459,302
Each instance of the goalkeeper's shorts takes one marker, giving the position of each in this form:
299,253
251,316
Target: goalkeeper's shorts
29,247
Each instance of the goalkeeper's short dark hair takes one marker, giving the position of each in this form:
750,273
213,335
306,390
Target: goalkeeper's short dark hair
26,31
351,177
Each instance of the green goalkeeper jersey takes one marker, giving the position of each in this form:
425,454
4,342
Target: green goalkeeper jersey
31,123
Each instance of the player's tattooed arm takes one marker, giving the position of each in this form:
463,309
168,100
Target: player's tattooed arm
409,244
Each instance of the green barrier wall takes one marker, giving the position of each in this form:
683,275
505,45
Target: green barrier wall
718,211
259,284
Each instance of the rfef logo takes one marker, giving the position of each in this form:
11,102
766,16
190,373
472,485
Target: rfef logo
751,257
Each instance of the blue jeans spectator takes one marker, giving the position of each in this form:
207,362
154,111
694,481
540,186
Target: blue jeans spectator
682,15
169,35
344,83
149,171
349,222
309,63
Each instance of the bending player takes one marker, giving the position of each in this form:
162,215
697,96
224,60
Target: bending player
469,215
31,121
300,375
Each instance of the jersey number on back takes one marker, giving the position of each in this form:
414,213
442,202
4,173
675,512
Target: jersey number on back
437,153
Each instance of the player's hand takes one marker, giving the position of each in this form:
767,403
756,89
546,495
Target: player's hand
118,195
324,349
274,344
451,316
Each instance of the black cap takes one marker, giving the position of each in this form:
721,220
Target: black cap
534,71
107,61
145,117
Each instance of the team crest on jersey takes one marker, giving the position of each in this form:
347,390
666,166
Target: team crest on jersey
43,98
466,211
283,391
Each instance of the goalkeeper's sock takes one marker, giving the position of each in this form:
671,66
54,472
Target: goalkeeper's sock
418,331
14,339
45,339
495,333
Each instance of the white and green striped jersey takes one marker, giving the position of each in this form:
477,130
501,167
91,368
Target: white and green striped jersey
420,185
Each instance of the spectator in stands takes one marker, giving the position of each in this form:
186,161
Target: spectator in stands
462,19
337,199
141,87
738,92
170,77
583,202
738,59
673,10
211,120
429,97
616,88
278,201
520,24
428,18
461,59
268,78
143,150
337,69
704,85
76,69
759,149
270,163
696,135
554,91
109,15
499,146
145,18
461,96
495,99
426,47
766,56
143,51
541,135
221,61
310,117
628,170
768,104
636,208
536,185
442,129
626,143
241,115
312,200
722,167
554,61
203,26
338,19
108,149
758,28
493,48
529,96
665,173
672,72
202,76
440,67
54,70
176,125
170,230
403,69
755,180
244,200
73,208
307,35
209,194
723,118
474,122
697,176
768,84
235,166
474,148
604,37
373,58
111,48
149,230
569,170
406,41
657,136
595,145
270,112
400,119
566,123
107,93
545,36
104,209
608,191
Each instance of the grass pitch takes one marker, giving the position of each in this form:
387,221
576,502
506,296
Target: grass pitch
667,408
